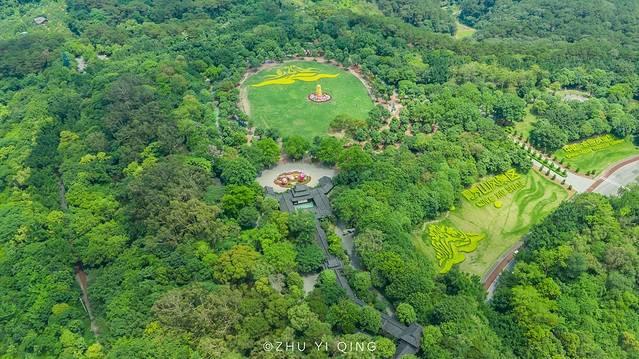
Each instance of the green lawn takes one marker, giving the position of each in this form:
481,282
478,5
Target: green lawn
503,226
287,108
602,159
526,124
461,31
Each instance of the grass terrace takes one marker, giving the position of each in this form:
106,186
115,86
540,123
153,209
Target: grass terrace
500,223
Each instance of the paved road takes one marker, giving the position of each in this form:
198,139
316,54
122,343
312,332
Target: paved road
579,183
608,183
621,174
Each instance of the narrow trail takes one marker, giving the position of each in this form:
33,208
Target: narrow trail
83,280
80,276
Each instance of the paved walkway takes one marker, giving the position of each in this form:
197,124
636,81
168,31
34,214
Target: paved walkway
578,182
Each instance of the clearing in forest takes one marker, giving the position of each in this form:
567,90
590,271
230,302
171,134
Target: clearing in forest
524,126
279,97
502,222
463,31
597,153
572,95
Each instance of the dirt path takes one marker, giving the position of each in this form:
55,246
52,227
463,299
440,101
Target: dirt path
83,280
244,101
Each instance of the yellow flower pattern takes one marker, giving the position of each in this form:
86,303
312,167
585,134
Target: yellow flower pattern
290,74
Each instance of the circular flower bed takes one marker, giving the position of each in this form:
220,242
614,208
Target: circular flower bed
290,179
319,99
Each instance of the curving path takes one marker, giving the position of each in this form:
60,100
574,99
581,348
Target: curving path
619,175
608,183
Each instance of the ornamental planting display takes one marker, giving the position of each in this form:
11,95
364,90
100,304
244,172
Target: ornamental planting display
287,97
590,145
449,243
290,74
290,179
319,96
492,189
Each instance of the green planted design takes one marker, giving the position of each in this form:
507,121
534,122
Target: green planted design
449,243
591,145
494,188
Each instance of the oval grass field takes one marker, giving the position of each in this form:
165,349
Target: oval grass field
286,107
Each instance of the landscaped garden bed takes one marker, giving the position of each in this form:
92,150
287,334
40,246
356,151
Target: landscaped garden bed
502,225
590,145
290,179
493,188
449,243
285,97
595,154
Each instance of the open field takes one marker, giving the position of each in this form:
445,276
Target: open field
502,227
572,95
601,159
283,104
525,126
463,31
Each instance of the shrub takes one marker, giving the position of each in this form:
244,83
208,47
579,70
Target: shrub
309,258
406,313
296,147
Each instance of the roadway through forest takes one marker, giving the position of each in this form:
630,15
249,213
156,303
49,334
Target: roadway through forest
608,183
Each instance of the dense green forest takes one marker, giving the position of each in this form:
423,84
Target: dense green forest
571,20
124,155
